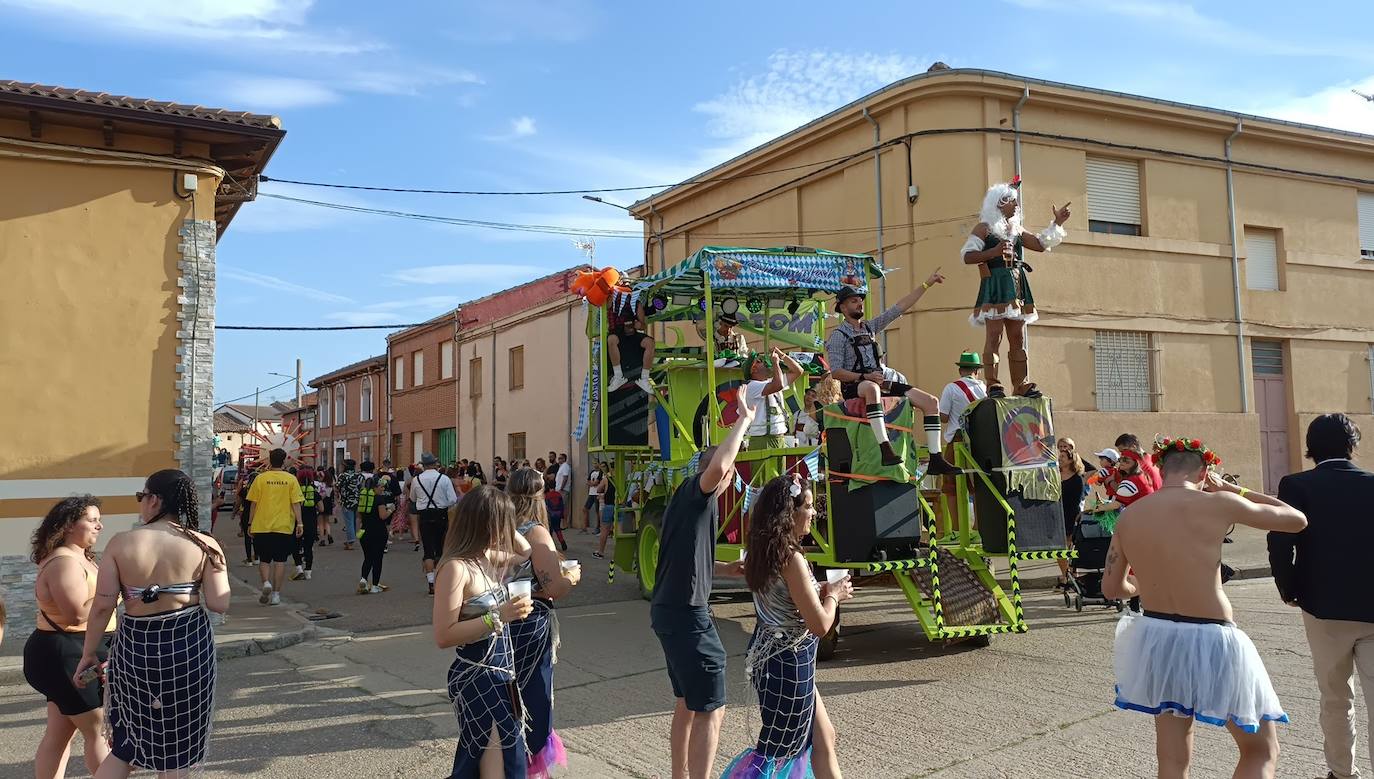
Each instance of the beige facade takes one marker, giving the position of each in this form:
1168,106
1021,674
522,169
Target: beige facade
1111,305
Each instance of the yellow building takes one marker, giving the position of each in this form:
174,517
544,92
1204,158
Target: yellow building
1152,319
109,214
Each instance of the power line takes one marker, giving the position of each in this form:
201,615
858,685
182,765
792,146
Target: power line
417,191
315,327
252,394
464,222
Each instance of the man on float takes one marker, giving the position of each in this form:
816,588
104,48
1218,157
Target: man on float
856,361
957,396
629,349
1004,300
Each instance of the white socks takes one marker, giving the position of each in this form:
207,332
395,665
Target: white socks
932,426
874,412
429,577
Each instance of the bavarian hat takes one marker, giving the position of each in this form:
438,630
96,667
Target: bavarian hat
970,360
846,293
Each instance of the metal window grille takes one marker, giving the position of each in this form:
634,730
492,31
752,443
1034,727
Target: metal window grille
1122,361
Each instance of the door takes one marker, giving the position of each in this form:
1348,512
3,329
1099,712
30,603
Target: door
1271,402
417,446
339,455
448,445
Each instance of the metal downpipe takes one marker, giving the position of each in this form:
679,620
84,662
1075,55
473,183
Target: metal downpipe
1235,273
878,197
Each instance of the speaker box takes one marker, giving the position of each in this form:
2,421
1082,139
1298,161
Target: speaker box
1039,523
882,520
628,420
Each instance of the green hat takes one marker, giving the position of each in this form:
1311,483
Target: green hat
970,360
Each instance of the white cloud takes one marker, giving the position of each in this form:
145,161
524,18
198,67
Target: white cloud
476,273
281,285
275,24
1182,19
266,93
797,87
522,127
1335,106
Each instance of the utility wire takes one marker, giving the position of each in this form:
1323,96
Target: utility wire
316,327
462,222
251,394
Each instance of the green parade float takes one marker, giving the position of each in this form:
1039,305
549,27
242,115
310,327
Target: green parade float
871,519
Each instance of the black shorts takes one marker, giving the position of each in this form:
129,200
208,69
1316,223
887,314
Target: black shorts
695,656
850,389
50,660
432,533
274,547
592,500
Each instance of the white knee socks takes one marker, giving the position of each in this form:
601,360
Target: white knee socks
874,412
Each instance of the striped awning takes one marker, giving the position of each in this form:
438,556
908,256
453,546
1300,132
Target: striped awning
764,271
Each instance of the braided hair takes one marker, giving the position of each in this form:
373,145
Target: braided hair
771,536
181,508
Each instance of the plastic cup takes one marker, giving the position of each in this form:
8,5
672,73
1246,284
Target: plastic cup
836,575
742,554
520,589
568,565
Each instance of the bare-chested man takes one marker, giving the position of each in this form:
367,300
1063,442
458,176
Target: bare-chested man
1184,656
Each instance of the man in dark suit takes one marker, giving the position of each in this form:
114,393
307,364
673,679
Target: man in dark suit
1324,570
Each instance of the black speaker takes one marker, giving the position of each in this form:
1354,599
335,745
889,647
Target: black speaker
1039,523
880,521
628,423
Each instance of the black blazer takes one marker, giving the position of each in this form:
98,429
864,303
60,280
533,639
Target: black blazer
1325,567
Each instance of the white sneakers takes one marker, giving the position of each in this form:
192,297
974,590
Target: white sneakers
617,381
375,590
267,594
275,600
643,383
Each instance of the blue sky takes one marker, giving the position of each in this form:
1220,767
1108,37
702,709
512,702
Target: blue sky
537,94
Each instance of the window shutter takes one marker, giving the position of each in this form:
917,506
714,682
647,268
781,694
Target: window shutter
1261,259
1366,208
1113,190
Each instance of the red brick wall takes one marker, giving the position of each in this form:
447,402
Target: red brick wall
429,407
354,430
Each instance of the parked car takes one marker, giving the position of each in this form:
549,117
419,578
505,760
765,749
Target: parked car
225,484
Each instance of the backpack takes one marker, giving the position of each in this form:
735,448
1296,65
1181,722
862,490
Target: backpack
308,493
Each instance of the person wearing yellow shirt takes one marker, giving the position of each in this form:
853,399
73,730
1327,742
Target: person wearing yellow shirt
276,497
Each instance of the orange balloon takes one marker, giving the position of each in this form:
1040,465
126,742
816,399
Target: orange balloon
596,286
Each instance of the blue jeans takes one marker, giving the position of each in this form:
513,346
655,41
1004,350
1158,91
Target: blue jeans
350,522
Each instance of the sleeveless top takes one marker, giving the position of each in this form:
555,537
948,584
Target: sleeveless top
525,571
774,606
48,607
483,603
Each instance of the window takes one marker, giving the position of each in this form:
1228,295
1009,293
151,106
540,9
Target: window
419,359
1113,196
515,447
341,404
475,377
326,397
365,450
1261,259
417,446
446,360
365,401
1366,214
1266,358
398,369
1122,361
1371,375
517,367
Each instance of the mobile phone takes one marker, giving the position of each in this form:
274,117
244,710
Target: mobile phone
90,674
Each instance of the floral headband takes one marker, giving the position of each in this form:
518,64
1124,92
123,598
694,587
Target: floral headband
1164,445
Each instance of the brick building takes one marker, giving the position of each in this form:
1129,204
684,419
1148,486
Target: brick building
421,390
350,412
304,418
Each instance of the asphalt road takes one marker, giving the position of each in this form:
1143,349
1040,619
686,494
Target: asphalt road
367,702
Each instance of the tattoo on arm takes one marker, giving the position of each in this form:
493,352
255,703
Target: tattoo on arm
1112,556
545,579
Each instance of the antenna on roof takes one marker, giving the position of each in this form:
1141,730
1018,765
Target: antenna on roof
587,246
1370,98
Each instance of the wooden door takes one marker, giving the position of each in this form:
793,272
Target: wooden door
1271,403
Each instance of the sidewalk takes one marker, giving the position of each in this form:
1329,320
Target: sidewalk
249,629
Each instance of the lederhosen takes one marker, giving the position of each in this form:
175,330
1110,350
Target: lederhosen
868,357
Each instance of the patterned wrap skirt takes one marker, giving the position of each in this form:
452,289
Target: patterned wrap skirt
535,640
781,665
482,689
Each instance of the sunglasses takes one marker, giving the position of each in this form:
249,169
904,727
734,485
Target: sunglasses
140,495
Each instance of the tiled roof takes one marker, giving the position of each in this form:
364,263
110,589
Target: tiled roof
361,366
164,108
263,412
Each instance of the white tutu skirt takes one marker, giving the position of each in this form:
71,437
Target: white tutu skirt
1210,672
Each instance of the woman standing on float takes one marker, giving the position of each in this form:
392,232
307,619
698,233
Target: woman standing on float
1005,302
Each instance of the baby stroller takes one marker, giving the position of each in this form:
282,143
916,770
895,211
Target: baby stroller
1092,539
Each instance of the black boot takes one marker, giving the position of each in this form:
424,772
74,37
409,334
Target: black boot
889,457
938,466
996,391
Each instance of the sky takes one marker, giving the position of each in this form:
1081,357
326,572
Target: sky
539,94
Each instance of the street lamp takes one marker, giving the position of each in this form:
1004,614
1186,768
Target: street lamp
596,199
